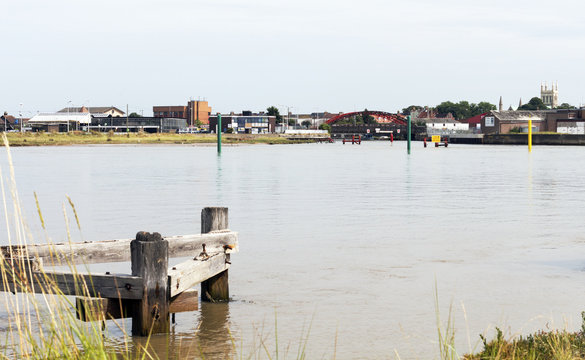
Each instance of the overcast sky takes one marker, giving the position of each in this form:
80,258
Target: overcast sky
309,55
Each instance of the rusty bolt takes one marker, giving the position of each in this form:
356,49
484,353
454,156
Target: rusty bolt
155,312
128,286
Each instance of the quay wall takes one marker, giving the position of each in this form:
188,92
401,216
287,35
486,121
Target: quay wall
537,139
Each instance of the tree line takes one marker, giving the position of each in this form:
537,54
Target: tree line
461,110
464,109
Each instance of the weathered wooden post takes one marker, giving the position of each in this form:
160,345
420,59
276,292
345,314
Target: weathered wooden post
150,257
215,288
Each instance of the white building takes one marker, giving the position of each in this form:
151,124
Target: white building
59,122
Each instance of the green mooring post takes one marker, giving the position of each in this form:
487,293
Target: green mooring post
408,134
219,133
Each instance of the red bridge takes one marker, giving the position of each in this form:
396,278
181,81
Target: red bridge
380,117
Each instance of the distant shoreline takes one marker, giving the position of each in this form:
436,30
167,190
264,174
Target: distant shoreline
95,138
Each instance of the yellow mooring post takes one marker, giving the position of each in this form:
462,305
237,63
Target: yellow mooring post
529,134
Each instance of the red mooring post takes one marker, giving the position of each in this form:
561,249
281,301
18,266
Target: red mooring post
391,138
425,141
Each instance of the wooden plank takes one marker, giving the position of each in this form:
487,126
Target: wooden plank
215,288
92,252
214,218
150,257
95,285
188,300
194,271
94,309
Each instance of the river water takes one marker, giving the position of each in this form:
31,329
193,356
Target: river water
343,245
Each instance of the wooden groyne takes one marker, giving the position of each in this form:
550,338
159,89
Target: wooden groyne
151,292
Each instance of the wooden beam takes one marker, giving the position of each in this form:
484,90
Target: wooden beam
91,252
48,282
95,309
150,257
194,271
216,287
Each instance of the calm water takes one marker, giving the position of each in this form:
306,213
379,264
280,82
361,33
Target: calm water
347,240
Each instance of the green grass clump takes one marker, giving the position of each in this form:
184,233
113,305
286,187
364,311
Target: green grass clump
551,345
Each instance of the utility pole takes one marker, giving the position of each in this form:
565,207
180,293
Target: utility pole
218,133
529,133
20,115
68,108
408,134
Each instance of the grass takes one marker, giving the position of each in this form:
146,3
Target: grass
543,345
42,324
85,138
549,345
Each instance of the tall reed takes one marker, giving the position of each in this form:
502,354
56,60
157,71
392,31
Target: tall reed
39,320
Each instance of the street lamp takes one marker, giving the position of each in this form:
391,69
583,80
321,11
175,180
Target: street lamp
287,117
20,115
68,108
89,112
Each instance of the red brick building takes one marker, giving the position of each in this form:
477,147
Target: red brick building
195,112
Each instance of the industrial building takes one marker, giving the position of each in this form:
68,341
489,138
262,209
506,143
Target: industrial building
96,111
561,121
64,122
196,112
60,121
245,123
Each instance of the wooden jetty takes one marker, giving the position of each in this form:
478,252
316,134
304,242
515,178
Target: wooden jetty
150,293
355,139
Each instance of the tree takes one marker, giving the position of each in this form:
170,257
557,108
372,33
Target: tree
464,109
367,118
306,123
325,126
566,106
534,104
273,111
134,115
409,110
447,107
483,107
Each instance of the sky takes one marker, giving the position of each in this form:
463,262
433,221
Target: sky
304,55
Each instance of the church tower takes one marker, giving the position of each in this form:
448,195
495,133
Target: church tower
550,97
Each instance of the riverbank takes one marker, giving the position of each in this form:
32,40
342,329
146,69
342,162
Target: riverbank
92,138
556,344
518,139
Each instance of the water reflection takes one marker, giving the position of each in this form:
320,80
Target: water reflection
208,338
213,333
218,179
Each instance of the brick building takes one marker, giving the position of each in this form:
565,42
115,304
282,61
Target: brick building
561,121
195,112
